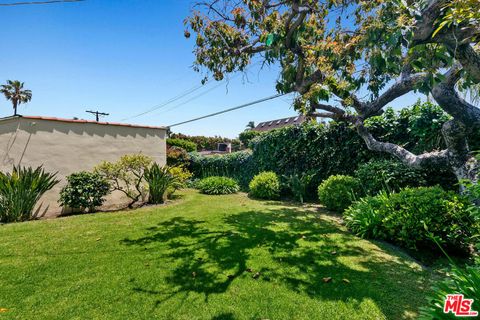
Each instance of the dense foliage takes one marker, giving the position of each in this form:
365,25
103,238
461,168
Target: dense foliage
335,148
338,192
187,145
247,136
265,185
315,148
410,217
127,175
236,165
298,185
177,156
464,281
207,143
159,180
181,175
20,192
84,191
218,185
389,176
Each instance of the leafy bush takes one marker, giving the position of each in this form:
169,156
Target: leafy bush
188,146
388,175
247,136
465,281
338,192
182,176
298,184
177,157
236,165
127,175
265,185
363,219
84,191
159,180
217,185
21,190
410,217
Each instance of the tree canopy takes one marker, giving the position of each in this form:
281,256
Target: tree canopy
348,59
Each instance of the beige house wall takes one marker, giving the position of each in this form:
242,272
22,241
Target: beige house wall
67,147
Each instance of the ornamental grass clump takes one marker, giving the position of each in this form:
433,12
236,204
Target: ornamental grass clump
159,180
21,190
218,185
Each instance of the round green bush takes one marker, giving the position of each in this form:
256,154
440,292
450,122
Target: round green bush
265,185
412,216
217,185
84,190
338,192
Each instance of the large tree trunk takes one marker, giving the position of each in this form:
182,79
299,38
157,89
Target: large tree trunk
461,161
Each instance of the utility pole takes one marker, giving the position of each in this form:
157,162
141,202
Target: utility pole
98,114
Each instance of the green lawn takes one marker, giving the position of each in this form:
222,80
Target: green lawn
198,258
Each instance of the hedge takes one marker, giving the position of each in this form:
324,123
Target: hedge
236,165
333,149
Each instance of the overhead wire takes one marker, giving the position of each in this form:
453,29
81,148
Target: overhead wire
228,110
37,2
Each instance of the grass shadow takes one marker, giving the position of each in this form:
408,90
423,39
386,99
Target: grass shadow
306,251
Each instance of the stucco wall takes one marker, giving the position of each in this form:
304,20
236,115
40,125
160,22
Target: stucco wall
67,147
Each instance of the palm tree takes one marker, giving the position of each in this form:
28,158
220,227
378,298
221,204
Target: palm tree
250,125
14,92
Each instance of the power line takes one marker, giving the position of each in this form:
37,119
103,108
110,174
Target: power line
37,2
185,93
228,110
192,98
165,103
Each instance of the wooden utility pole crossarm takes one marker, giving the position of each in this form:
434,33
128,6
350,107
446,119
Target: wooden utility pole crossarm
98,114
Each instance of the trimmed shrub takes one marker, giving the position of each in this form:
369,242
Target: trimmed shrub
21,190
159,179
389,176
218,185
338,192
177,157
188,146
265,185
84,191
412,216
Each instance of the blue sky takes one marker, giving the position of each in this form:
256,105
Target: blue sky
124,57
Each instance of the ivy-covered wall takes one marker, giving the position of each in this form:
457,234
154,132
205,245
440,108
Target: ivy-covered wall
336,148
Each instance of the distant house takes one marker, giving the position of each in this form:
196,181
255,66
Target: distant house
279,123
66,146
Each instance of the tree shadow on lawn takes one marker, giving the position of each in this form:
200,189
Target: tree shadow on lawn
294,247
